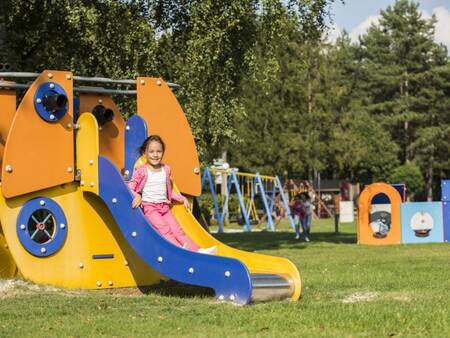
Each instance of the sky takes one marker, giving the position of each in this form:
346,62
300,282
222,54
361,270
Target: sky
355,16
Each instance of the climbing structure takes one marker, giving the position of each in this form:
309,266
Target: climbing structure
65,209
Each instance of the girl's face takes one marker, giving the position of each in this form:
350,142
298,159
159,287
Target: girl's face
154,153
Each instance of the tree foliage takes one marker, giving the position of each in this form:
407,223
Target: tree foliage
260,80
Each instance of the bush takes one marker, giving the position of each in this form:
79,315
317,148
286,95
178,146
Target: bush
410,175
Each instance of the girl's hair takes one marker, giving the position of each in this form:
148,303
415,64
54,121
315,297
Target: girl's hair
151,138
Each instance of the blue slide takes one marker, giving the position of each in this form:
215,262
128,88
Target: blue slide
228,277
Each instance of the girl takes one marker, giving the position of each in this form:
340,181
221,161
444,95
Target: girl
298,210
152,190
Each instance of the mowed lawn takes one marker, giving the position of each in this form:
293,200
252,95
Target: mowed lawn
349,290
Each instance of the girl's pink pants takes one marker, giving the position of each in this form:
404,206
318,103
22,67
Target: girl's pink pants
164,222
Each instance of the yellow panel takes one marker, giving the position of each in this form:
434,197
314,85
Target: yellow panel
164,116
40,154
255,263
8,109
365,234
8,268
91,231
112,134
87,152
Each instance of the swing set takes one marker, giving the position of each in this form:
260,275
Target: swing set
247,188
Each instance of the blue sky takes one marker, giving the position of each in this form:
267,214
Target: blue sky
355,16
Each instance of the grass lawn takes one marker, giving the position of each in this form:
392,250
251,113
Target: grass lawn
349,290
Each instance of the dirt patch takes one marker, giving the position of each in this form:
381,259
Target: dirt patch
18,287
360,297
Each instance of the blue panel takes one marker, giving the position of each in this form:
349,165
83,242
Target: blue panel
446,215
41,235
445,190
422,222
228,277
45,91
135,135
383,199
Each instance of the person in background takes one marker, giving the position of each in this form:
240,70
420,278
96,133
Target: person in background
337,201
298,212
307,215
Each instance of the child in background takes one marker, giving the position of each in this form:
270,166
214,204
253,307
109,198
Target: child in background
298,210
152,190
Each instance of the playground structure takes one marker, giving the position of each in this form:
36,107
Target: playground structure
65,209
246,187
404,222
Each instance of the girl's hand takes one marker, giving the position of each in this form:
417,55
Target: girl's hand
136,201
186,204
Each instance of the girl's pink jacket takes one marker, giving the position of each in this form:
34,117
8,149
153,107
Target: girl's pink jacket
140,175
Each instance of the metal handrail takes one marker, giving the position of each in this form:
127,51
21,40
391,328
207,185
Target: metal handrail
80,78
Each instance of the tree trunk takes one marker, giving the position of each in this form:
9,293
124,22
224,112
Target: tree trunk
429,184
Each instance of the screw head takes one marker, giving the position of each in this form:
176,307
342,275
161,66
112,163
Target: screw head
127,128
91,184
91,162
160,259
114,200
100,101
227,273
127,172
142,82
196,171
191,270
158,82
52,85
38,100
50,75
52,117
125,262
81,265
23,227
110,283
98,283
68,76
43,250
62,226
134,234
69,169
81,183
42,202
69,125
8,168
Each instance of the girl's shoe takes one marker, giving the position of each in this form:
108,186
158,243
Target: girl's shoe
208,251
297,236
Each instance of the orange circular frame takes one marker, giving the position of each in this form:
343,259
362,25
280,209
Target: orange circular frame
365,234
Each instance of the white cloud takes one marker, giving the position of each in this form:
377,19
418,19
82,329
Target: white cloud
442,30
442,27
363,27
333,33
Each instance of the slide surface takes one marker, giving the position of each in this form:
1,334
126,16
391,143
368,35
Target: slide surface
256,263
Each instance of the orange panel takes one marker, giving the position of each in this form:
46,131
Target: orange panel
365,234
8,109
39,154
111,134
159,107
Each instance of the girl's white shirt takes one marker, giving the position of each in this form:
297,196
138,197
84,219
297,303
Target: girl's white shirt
155,189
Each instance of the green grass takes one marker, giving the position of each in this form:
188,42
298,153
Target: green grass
349,290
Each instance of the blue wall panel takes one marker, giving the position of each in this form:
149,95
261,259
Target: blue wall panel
446,213
422,222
